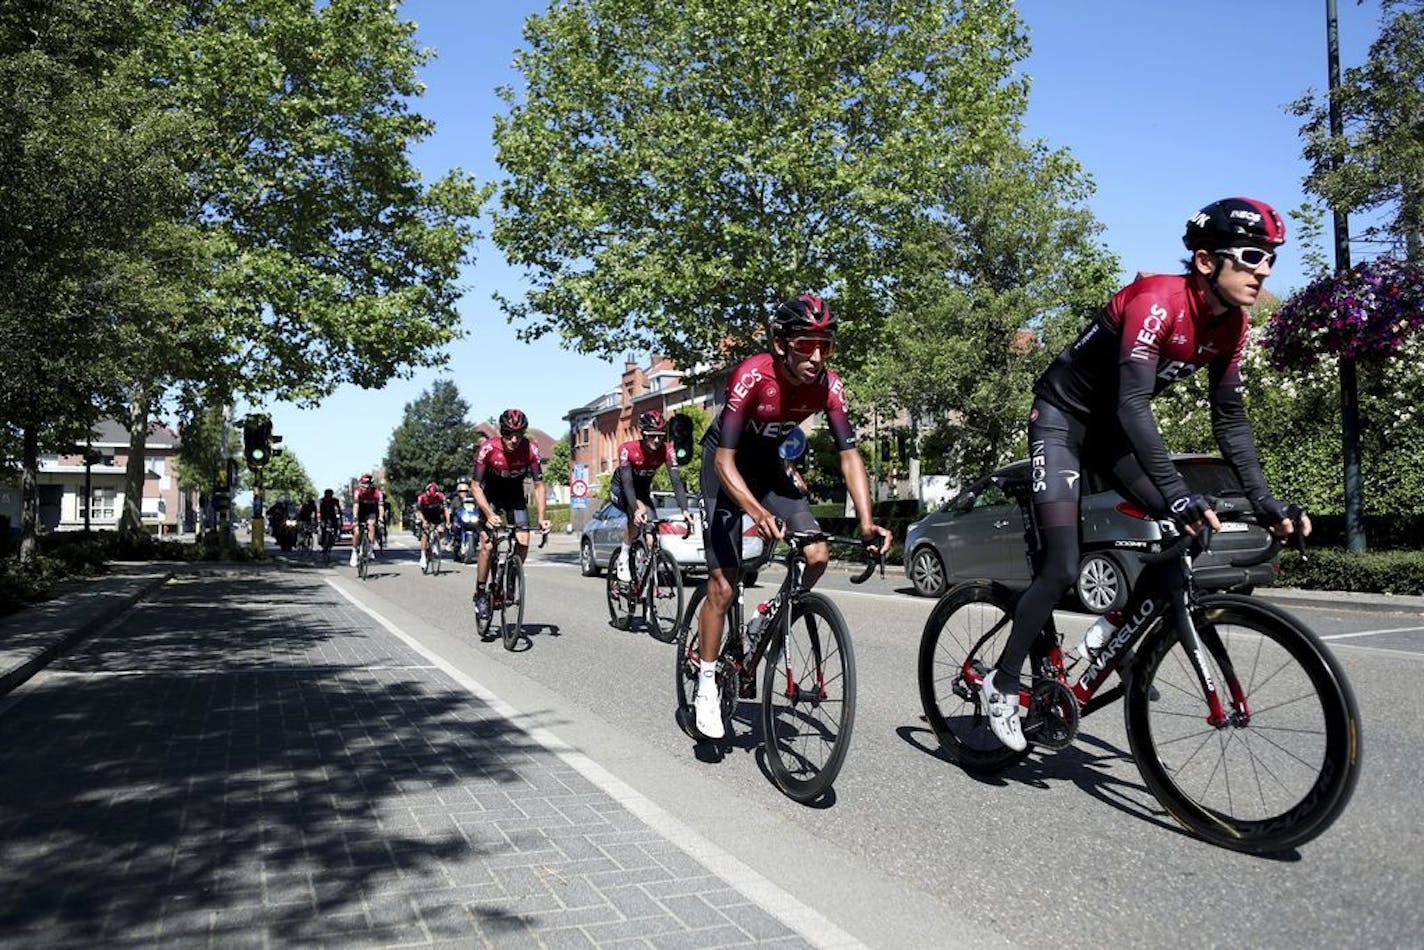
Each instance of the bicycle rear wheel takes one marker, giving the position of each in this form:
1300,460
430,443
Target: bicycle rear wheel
665,598
967,629
1266,781
511,609
435,553
363,563
808,699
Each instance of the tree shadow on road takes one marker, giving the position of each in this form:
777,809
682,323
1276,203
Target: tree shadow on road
235,760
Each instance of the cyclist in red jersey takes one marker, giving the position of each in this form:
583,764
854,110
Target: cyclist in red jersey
501,466
430,509
1092,412
638,461
767,396
370,505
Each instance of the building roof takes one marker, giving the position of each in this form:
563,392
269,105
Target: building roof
112,432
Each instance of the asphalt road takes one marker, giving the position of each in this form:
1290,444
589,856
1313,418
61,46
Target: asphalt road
1068,848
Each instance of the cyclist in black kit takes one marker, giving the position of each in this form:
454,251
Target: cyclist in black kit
1092,412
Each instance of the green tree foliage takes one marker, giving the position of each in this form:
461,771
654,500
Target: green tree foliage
432,442
1376,162
286,477
674,168
557,465
1000,283
201,457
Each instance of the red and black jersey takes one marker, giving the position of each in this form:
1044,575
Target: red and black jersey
369,496
431,503
493,465
1153,332
761,407
637,466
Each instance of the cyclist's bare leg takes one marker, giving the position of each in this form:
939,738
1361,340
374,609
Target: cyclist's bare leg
817,557
714,612
482,568
521,544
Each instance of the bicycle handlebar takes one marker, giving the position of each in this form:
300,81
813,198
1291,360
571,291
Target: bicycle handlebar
1226,511
511,530
800,539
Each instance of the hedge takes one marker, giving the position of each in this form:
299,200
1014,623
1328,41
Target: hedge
1377,572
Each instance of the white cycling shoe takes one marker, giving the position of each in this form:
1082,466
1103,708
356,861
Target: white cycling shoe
708,706
624,574
1003,713
353,557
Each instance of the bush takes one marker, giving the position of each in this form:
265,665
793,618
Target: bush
1380,572
558,516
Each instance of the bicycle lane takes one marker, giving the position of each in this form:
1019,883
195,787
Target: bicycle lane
219,767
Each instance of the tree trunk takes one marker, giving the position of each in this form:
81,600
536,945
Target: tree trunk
131,524
29,494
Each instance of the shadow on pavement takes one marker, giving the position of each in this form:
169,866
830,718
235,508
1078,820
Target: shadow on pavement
211,768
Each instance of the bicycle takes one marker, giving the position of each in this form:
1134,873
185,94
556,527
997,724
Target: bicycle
506,582
327,539
1264,768
304,538
363,553
432,558
808,684
654,585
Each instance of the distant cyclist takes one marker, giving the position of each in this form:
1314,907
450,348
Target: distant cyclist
638,461
329,512
370,505
1092,413
501,465
432,513
742,471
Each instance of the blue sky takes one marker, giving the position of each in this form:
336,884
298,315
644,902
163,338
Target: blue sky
1167,106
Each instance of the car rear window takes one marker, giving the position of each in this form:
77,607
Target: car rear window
1210,477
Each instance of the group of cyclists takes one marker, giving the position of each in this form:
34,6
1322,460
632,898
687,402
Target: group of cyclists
1091,414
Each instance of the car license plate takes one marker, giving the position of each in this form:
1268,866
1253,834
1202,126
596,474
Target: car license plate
1234,526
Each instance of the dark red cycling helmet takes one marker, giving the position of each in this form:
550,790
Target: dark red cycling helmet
365,481
1234,221
432,489
652,423
801,315
512,422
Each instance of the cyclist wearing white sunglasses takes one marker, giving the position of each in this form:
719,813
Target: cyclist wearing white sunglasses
1092,412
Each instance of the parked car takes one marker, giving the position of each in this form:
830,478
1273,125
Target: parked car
978,534
603,534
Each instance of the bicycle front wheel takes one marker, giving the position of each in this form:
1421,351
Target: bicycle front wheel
966,631
511,610
665,598
808,699
363,564
1275,774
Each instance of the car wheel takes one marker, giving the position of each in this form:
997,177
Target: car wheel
1102,584
587,564
927,572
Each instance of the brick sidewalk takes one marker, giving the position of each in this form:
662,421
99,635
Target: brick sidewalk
235,765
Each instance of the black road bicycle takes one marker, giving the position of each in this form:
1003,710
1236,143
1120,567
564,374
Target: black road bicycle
654,587
506,582
327,539
1239,719
436,537
808,684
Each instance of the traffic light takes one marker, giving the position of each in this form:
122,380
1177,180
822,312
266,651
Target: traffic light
680,434
222,501
271,442
257,440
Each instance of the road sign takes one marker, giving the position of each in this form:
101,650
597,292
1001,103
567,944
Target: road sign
579,488
793,446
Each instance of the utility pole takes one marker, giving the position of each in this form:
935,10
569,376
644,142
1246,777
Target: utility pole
1349,384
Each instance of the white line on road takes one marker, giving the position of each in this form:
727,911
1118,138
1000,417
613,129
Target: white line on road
1371,633
768,895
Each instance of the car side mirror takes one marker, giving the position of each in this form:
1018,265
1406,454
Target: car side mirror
964,503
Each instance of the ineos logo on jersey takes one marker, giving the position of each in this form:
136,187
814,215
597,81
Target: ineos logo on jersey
744,385
1145,348
1175,369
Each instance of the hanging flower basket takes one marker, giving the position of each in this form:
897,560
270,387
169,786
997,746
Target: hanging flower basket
1365,313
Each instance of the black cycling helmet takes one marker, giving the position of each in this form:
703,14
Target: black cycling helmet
652,423
804,314
512,422
1233,221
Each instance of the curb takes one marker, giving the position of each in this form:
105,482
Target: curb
1337,600
12,678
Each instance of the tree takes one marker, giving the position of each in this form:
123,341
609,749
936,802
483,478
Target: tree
998,285
432,442
286,477
1375,163
90,149
557,465
325,259
673,169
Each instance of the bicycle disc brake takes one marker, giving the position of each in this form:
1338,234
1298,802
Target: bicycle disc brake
1052,715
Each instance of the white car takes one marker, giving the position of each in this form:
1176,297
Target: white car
603,535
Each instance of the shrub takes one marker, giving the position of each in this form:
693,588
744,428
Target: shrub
1382,572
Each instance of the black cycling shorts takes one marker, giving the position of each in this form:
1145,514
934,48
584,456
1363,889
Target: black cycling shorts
619,502
366,511
772,487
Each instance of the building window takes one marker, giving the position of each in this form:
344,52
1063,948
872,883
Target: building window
102,505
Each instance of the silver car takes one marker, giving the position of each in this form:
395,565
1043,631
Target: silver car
603,535
979,534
